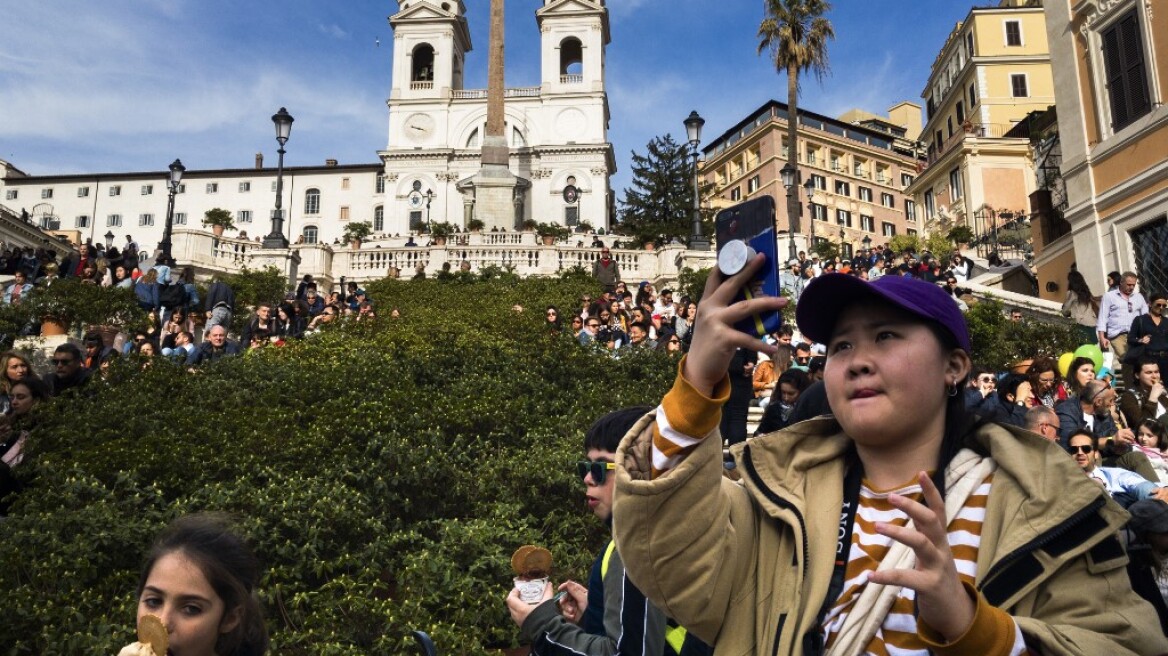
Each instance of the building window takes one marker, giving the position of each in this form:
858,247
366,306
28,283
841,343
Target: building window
888,229
11,194
930,206
145,219
46,194
273,186
955,187
180,218
571,215
310,234
843,217
786,149
243,216
836,164
812,155
818,212
865,194
972,95
1127,80
212,187
842,188
819,182
344,212
1013,33
969,43
910,232
753,184
1018,86
147,189
860,169
380,183
379,219
344,183
910,210
182,189
736,194
114,220
115,190
312,201
83,192
949,125
887,200
244,187
867,223
905,179
82,221
416,220
960,112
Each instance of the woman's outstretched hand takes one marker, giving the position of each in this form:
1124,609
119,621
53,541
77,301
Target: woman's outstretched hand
714,337
942,602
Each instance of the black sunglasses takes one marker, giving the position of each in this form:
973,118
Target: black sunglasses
598,469
1084,448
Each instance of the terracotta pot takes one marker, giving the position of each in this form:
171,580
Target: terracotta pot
355,244
217,230
649,246
549,240
52,326
1021,366
440,241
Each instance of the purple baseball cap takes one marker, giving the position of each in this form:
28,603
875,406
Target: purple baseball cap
829,295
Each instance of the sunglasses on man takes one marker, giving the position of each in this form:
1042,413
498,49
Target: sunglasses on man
598,469
1083,448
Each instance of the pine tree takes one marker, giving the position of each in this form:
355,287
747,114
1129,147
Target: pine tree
659,205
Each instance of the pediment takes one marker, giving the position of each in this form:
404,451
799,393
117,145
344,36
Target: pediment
421,11
560,7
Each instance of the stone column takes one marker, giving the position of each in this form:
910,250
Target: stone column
495,151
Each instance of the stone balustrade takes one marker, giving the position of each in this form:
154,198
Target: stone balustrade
521,252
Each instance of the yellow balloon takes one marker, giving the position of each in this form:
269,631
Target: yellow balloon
1064,363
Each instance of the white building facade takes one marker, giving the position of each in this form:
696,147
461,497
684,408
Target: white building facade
558,132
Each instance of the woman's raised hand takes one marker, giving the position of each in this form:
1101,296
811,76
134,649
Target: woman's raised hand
714,336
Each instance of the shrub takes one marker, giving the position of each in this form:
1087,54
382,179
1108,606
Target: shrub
384,471
999,343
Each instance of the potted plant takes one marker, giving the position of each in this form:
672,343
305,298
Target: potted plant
356,232
440,231
552,232
584,227
475,225
219,219
961,235
528,225
70,302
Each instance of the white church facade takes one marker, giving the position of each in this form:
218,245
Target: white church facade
557,132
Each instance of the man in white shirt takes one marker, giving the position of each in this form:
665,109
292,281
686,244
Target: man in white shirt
664,306
1124,486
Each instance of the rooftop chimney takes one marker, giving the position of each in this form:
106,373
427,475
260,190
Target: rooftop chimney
330,162
259,160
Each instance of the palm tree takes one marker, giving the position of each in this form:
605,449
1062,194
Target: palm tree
796,34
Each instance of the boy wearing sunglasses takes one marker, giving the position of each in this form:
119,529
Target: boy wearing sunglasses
610,617
1124,486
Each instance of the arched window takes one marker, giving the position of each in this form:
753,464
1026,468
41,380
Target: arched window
517,139
379,219
571,58
312,201
473,140
423,63
310,234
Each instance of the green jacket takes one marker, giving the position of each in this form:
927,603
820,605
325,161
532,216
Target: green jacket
746,567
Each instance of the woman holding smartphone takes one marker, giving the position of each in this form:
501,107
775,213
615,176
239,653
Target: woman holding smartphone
900,524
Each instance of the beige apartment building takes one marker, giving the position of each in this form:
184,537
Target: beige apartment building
860,165
1105,207
992,72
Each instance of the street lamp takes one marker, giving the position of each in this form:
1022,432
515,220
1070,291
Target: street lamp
809,185
693,130
842,235
276,239
788,173
429,198
176,173
867,242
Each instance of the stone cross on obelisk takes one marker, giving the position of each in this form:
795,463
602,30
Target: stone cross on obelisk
498,195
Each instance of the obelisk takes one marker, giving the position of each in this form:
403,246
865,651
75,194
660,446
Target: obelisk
498,194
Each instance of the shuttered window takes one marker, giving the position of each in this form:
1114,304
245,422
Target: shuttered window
1127,81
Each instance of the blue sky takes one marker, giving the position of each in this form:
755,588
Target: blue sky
129,85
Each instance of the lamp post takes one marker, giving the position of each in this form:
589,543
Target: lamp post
176,173
788,173
693,130
809,185
867,242
276,239
841,249
429,198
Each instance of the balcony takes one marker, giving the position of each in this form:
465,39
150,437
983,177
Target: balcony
973,131
481,94
572,79
421,86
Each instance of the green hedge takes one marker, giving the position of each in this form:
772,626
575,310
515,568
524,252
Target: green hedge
384,471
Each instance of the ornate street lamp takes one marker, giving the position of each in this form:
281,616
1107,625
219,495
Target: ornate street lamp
866,241
841,249
788,174
276,239
693,130
429,199
176,173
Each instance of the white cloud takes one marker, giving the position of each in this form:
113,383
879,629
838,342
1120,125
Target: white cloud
334,31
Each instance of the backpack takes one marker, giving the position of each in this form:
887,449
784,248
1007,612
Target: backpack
172,295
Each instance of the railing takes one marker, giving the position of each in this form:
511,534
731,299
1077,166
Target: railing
421,86
970,130
481,94
520,252
15,231
571,79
